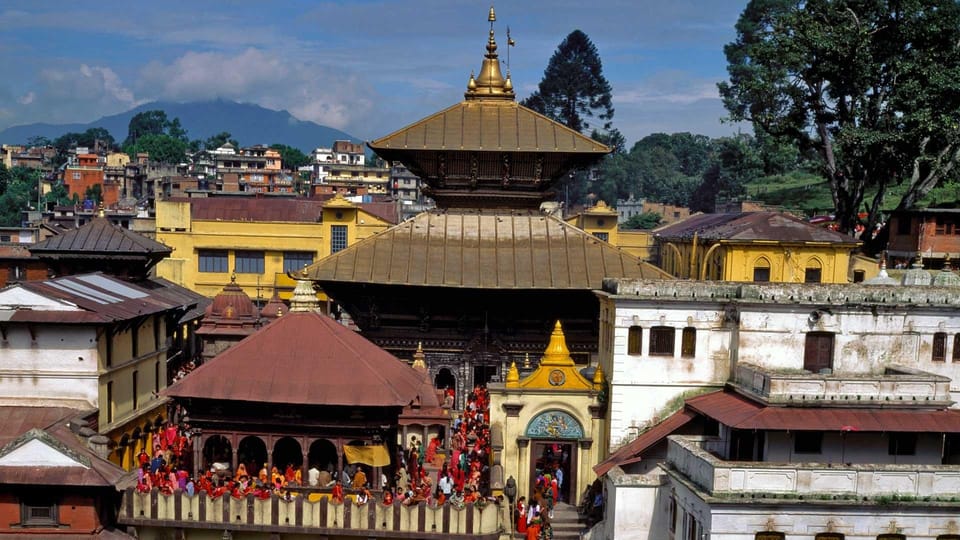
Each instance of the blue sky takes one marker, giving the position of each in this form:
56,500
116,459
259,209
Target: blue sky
365,66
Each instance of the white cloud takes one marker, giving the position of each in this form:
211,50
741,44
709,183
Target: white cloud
27,98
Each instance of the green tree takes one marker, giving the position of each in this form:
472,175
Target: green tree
872,86
216,141
94,193
292,157
154,122
738,161
18,190
58,195
162,148
573,88
646,220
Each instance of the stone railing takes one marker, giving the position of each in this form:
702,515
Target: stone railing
154,511
896,386
723,478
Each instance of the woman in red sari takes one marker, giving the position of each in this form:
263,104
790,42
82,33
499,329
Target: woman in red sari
521,514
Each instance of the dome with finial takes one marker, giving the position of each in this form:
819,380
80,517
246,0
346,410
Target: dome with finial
232,303
916,275
275,308
304,297
946,277
882,278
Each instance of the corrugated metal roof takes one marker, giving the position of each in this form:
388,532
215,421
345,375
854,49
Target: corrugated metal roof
631,451
99,236
750,226
100,299
739,412
483,249
276,209
476,125
305,358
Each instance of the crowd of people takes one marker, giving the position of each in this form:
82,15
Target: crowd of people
165,466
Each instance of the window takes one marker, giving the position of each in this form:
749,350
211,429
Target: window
109,401
135,341
136,391
688,342
890,536
212,260
635,340
818,351
946,226
76,175
249,262
812,275
38,512
761,270
156,377
602,236
808,442
902,444
662,340
859,276
769,535
940,347
672,524
294,261
338,238
956,348
828,536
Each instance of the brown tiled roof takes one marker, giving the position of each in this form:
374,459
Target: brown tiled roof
630,452
305,358
483,249
101,299
739,412
476,125
100,237
751,226
276,209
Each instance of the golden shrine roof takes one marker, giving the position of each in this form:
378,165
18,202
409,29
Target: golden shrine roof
556,370
483,249
492,125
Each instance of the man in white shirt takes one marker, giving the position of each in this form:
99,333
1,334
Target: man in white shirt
446,486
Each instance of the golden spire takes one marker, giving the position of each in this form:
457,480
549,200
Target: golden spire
490,83
419,359
526,360
513,376
598,377
557,353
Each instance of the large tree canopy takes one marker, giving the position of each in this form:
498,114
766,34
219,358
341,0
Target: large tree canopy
873,86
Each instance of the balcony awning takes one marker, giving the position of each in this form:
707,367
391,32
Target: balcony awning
374,455
631,452
739,412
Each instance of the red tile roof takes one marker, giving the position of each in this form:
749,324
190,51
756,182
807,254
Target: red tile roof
306,359
739,412
630,453
750,226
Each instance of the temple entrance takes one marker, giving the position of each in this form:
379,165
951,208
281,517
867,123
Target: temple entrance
447,382
559,460
483,374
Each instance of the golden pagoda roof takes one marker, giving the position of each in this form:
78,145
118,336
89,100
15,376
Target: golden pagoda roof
483,249
557,370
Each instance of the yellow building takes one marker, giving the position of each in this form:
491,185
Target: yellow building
754,246
258,239
118,159
602,221
549,419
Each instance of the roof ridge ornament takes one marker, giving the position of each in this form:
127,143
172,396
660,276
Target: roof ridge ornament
490,84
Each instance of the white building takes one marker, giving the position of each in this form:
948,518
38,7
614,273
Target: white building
853,352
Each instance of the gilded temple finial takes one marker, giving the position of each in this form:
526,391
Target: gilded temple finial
490,84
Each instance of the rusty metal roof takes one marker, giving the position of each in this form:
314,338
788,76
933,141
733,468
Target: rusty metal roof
305,358
98,298
739,412
483,249
276,209
752,226
489,125
631,451
97,237
19,425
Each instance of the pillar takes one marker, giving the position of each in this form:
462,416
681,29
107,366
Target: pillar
523,467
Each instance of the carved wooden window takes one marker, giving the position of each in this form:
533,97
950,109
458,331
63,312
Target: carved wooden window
38,512
769,535
635,340
662,340
818,351
940,347
688,342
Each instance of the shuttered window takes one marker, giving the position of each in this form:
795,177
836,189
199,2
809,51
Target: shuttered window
818,352
662,340
939,347
635,340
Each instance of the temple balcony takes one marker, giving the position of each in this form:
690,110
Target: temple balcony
690,462
151,513
897,386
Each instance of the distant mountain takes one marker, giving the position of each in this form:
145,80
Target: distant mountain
249,124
